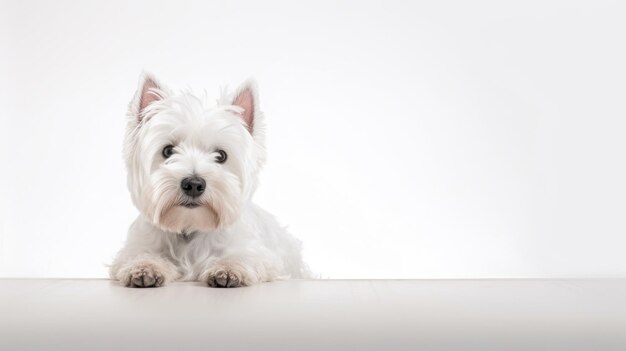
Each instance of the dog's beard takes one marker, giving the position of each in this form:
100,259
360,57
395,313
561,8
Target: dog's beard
172,211
181,219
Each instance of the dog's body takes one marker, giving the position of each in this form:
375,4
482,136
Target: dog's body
192,173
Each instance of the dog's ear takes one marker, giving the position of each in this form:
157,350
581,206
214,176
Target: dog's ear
148,91
247,97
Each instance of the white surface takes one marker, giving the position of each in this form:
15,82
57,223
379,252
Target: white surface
316,315
406,139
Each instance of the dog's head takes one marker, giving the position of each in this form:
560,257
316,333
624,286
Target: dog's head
191,167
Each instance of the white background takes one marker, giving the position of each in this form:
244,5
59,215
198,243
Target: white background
406,139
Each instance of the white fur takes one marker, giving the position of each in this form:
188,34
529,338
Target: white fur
226,240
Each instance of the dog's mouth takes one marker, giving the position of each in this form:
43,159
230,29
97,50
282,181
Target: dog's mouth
190,204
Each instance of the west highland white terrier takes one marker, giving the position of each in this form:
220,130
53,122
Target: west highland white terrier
192,171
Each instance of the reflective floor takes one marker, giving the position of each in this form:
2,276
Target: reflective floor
315,315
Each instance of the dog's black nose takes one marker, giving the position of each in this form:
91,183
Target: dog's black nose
193,186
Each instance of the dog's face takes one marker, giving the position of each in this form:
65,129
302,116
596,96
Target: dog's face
191,167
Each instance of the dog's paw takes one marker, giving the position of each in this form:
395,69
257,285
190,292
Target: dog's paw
145,275
226,277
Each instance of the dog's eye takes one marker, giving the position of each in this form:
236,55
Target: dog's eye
168,151
221,157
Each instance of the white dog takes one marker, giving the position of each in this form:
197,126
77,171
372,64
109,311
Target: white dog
192,171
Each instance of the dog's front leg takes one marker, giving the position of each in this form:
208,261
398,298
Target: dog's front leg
144,270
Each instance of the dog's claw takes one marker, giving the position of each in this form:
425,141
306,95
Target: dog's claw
145,276
224,279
